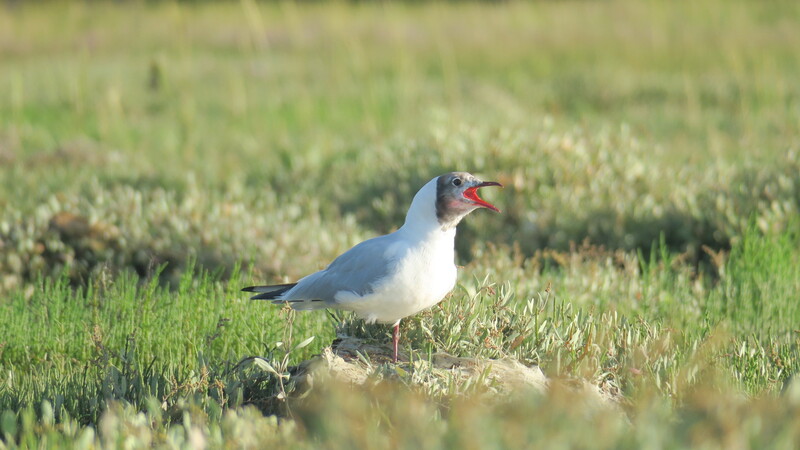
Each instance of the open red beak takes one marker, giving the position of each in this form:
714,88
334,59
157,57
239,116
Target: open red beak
471,194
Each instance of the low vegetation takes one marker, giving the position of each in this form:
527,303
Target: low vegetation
648,245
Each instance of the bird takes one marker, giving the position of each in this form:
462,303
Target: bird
388,278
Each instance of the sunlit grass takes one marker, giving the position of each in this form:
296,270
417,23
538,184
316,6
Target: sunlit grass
154,158
140,344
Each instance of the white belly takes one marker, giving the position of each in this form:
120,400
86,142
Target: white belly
423,278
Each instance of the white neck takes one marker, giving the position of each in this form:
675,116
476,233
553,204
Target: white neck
421,218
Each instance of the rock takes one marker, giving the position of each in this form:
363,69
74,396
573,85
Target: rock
341,362
497,378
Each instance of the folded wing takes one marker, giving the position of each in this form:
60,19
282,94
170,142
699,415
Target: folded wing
358,271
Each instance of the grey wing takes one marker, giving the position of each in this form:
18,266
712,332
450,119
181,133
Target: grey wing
357,270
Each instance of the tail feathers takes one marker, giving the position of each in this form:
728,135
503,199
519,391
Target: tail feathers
272,293
268,292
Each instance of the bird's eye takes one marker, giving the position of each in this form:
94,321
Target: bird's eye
456,181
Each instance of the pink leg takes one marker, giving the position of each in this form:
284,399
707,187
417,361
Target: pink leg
395,339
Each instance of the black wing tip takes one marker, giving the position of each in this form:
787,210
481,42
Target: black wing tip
268,287
268,292
278,301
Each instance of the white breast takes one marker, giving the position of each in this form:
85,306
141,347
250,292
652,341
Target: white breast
425,268
425,273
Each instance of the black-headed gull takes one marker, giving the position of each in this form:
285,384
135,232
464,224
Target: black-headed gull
390,277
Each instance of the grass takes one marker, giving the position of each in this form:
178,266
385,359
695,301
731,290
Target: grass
648,242
99,355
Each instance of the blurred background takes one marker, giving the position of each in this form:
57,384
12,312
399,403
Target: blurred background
139,133
155,157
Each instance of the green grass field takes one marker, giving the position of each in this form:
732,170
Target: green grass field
156,157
